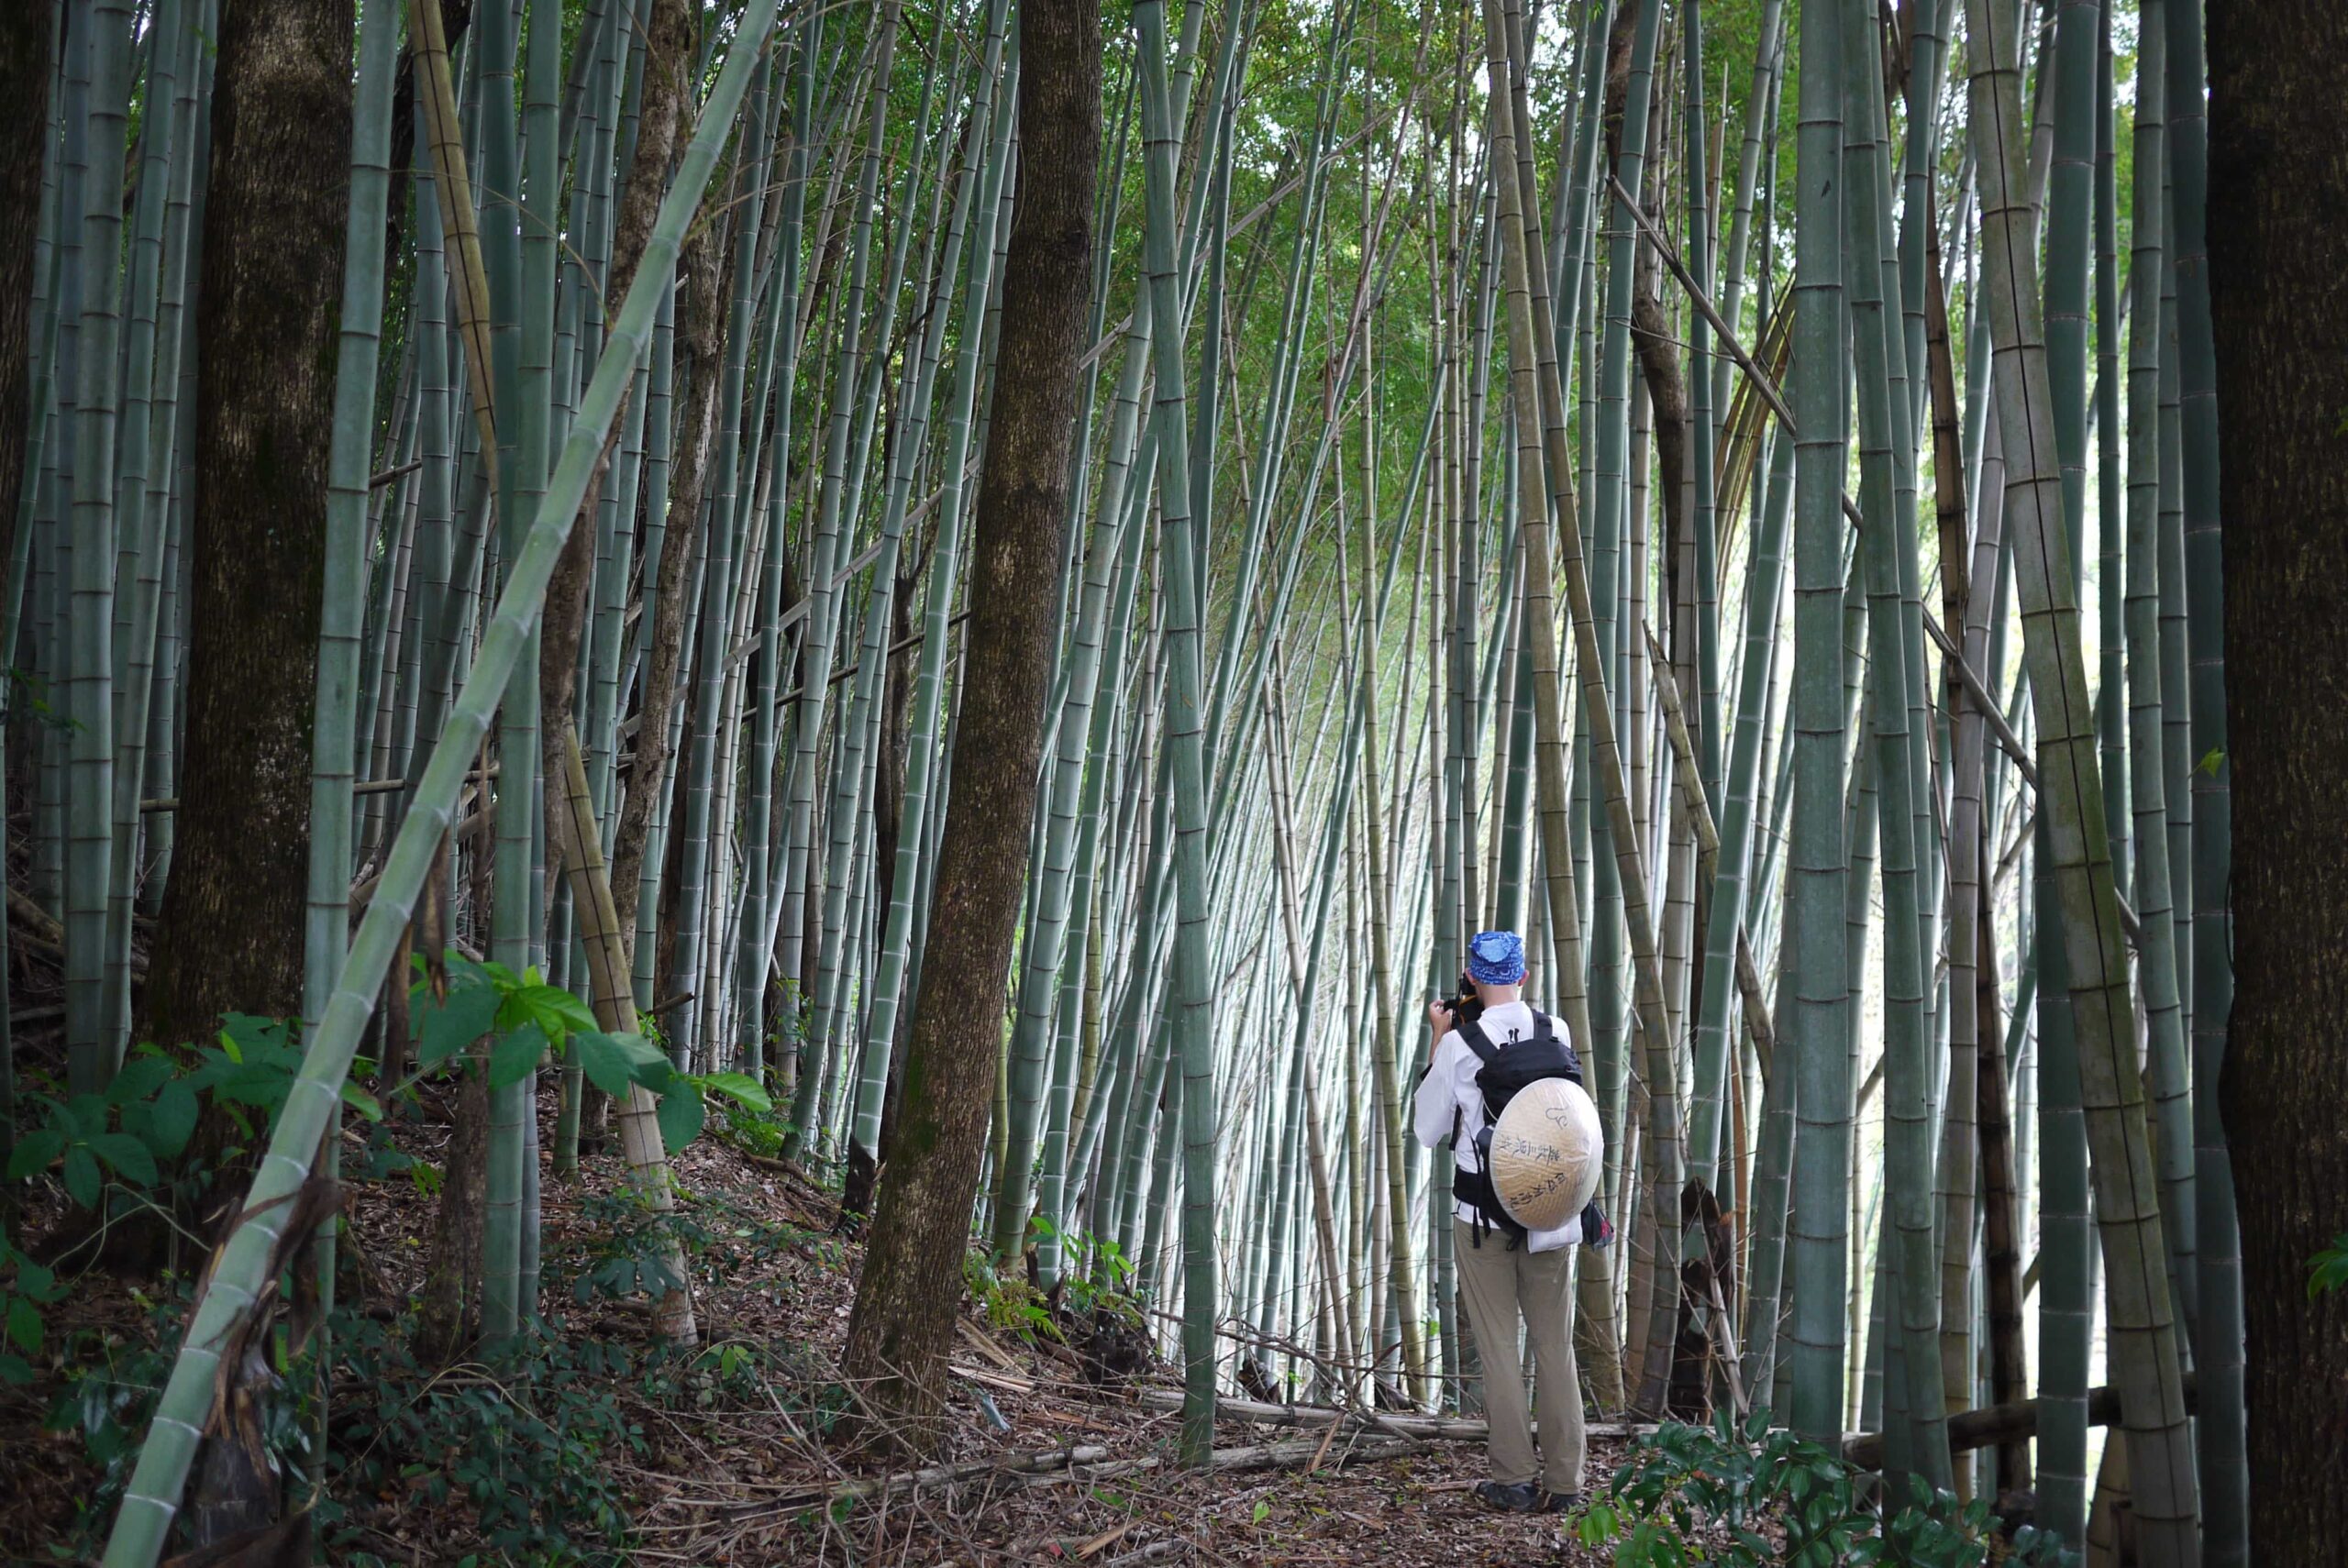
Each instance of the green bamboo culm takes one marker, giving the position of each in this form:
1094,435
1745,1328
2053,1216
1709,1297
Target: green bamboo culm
343,602
1818,868
105,39
2169,1065
2216,1337
242,1272
2142,1338
1907,1137
1192,1023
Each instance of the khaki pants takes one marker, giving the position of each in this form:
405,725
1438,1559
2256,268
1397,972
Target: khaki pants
1497,1283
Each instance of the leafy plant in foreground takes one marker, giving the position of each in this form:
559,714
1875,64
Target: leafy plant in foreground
1698,1493
526,1019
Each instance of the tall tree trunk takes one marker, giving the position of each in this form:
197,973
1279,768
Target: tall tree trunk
669,45
230,936
700,332
902,1323
26,65
2278,177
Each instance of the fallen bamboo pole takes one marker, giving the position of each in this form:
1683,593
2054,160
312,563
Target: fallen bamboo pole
1453,1429
1087,1461
1993,1424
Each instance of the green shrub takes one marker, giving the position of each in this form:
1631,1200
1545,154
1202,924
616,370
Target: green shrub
1694,1493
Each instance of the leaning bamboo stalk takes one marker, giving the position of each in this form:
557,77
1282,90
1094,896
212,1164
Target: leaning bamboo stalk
452,187
1563,909
242,1272
2143,1334
1536,345
1698,811
572,825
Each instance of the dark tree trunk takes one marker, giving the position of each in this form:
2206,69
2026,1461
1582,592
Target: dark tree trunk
448,1319
26,64
456,17
902,1323
668,41
2278,283
2000,1246
230,937
701,337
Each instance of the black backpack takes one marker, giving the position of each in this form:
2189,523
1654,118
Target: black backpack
1506,1069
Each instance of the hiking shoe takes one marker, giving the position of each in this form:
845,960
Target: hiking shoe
1560,1502
1509,1498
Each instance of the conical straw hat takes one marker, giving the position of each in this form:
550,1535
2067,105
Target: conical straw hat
1547,1152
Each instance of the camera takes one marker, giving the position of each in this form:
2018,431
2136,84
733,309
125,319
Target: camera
1465,1004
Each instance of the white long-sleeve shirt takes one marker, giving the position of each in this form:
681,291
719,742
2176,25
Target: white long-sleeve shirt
1448,1093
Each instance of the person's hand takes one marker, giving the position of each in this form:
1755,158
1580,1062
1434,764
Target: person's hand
1439,1016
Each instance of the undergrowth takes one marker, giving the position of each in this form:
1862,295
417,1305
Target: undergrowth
1715,1494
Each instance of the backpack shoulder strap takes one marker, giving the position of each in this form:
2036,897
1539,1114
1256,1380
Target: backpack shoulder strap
1471,1034
1544,1030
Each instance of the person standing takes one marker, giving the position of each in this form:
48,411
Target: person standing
1506,1272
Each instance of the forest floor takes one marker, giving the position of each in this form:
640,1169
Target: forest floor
605,1446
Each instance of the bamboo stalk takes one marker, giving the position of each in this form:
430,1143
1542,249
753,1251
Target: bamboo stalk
240,1273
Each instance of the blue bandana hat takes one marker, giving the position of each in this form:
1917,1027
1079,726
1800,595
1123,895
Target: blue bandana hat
1496,959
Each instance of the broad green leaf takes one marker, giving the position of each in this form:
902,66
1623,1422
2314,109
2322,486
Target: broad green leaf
14,1369
126,1154
516,1056
35,1281
2328,1269
681,1114
740,1086
450,1027
360,1100
23,1325
555,1011
612,1062
140,1076
85,1114
254,1035
82,1178
34,1152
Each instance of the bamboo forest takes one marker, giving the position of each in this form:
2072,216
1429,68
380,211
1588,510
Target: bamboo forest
1224,782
